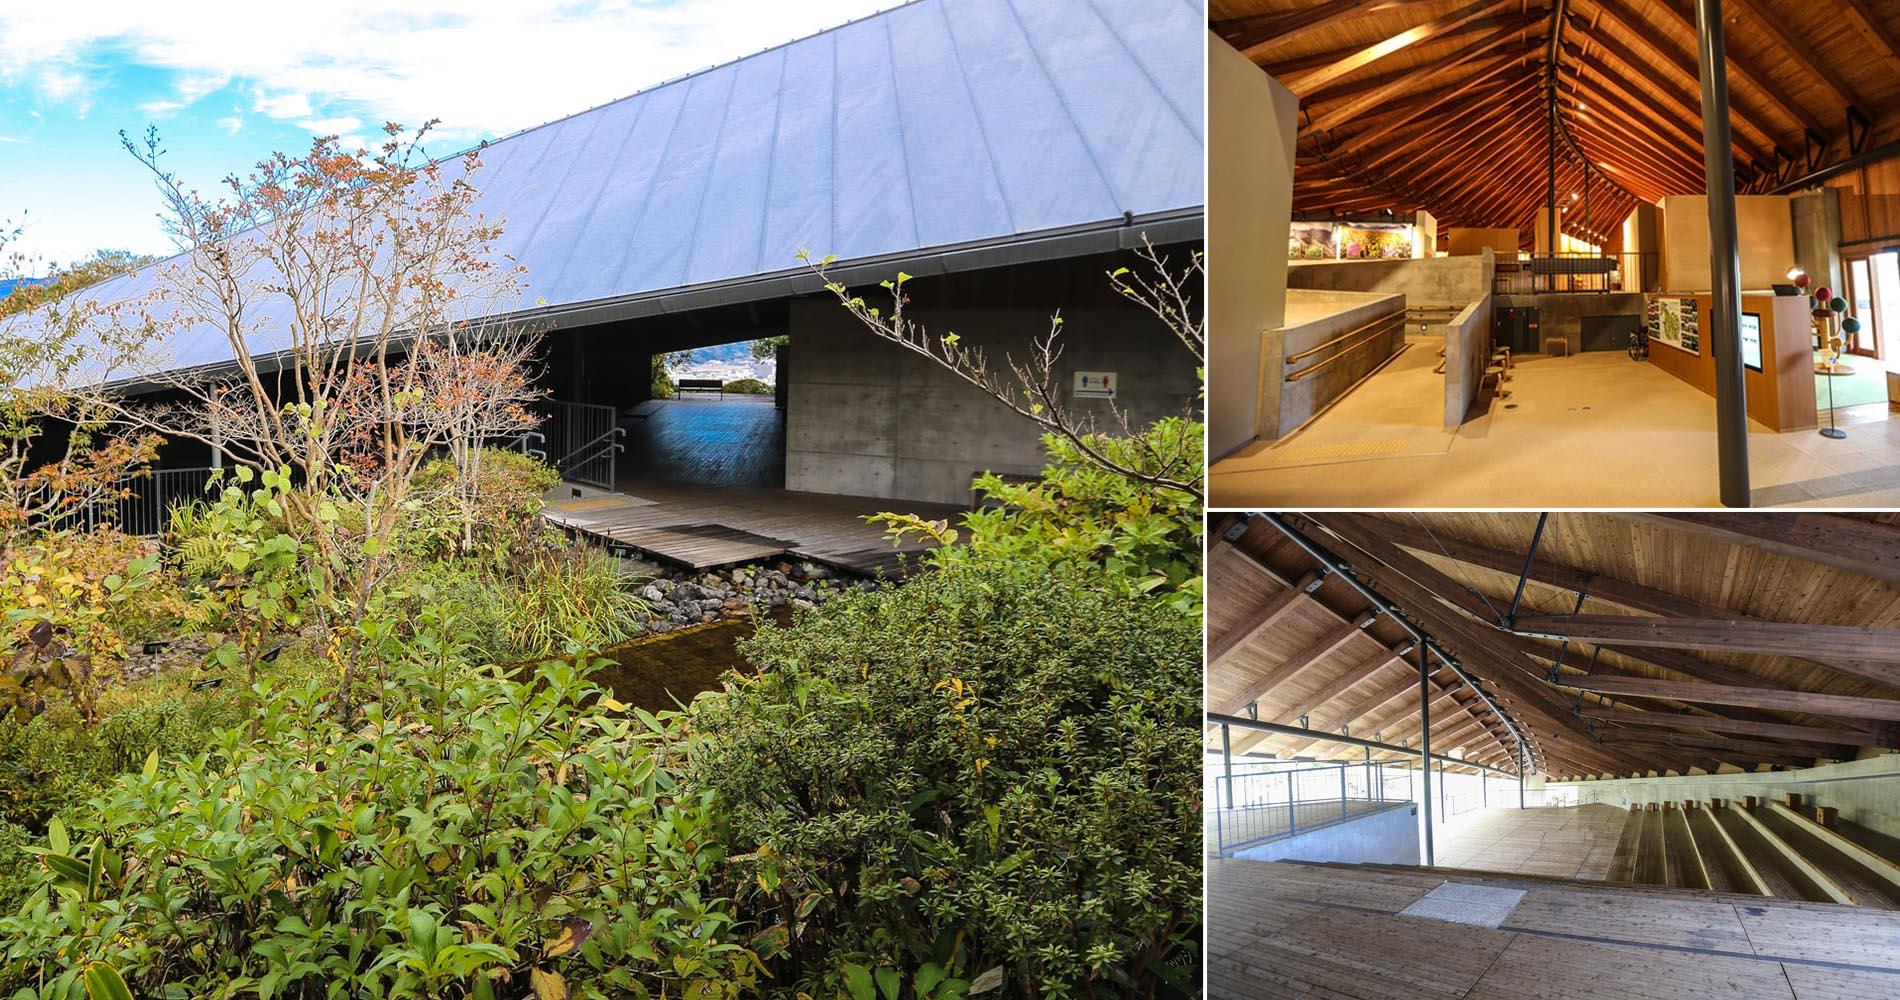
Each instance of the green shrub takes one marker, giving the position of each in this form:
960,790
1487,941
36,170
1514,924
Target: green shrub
1080,514
467,836
749,387
504,498
993,769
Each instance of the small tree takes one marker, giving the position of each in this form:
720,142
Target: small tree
1033,386
340,284
56,348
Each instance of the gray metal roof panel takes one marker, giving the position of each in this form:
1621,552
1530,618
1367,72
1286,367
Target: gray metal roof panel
937,124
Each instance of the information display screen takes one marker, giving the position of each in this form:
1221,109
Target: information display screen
1751,340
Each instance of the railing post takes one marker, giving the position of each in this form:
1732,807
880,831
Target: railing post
1342,791
1292,812
1227,760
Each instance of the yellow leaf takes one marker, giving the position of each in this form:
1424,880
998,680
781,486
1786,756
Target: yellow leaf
548,985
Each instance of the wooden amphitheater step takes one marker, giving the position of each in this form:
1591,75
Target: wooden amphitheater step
1727,867
1786,854
1867,878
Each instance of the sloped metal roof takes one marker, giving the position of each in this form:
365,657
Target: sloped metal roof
942,134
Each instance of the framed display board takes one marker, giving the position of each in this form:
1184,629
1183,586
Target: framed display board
1673,321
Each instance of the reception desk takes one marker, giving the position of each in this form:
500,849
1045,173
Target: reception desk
1779,374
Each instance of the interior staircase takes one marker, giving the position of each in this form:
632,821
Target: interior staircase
1790,850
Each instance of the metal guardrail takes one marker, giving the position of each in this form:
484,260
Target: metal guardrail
145,509
1572,271
585,439
1248,809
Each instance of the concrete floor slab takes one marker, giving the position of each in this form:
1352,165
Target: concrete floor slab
1593,430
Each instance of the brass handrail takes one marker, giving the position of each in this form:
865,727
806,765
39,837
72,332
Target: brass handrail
1378,326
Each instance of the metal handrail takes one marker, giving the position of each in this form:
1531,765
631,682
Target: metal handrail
1383,325
1247,810
1315,349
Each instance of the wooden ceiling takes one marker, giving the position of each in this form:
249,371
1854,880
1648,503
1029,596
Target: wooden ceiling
1442,104
1695,641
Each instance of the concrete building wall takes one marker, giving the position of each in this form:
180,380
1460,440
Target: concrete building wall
1865,791
1251,131
1387,837
1817,234
1439,281
1642,237
869,418
1562,314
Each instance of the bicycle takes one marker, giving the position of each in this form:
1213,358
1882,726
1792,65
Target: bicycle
1639,344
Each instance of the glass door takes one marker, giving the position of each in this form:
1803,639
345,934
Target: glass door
1881,323
1860,302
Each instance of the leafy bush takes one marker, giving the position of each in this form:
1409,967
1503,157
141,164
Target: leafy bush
749,387
1148,538
467,836
990,771
505,497
69,600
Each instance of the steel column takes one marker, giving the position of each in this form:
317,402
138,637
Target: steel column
1227,760
1725,272
1425,760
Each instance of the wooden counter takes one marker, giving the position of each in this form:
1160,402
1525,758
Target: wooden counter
1781,395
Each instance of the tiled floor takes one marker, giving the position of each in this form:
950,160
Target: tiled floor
1595,430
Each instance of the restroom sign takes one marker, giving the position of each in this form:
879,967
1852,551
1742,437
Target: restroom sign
1095,385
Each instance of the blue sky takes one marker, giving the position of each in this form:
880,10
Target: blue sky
226,82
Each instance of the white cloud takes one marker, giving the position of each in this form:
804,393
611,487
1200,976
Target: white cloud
482,67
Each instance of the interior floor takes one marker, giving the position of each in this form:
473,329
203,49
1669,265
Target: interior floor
1293,930
1563,842
737,440
1592,430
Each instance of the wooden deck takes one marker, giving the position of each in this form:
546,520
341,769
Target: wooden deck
1571,842
706,527
1289,930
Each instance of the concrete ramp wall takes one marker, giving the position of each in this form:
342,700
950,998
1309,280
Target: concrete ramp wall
1334,340
1866,792
1431,281
1389,836
1467,350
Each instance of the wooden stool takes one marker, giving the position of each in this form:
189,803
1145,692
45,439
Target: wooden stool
1563,342
1497,372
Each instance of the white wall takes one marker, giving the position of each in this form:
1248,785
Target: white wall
1865,791
1252,125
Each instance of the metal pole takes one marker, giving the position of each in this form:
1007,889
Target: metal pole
1723,327
1520,784
1227,760
1442,807
1292,812
1425,745
1484,791
1342,791
1523,578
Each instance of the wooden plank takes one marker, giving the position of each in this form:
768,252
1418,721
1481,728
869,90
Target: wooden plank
1721,694
1317,80
1795,858
1866,547
1259,620
1781,638
1730,856
1713,724
1880,867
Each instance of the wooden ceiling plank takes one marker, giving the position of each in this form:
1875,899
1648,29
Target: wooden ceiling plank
1798,50
1885,709
1850,642
1448,23
1866,547
1259,620
1877,30
1353,108
1711,724
1319,18
1319,651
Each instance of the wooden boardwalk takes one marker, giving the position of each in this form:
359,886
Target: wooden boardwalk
1289,930
707,527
